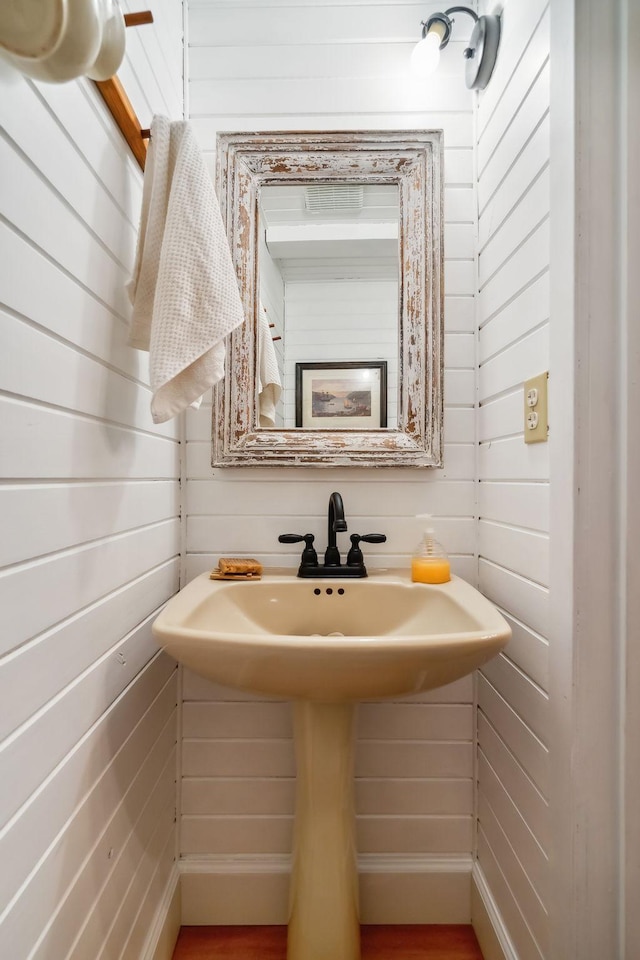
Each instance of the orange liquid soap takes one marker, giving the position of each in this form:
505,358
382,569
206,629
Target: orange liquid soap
430,563
430,570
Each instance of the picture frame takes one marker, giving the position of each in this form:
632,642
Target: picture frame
341,394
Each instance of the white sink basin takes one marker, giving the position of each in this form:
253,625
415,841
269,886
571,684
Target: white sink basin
331,640
326,644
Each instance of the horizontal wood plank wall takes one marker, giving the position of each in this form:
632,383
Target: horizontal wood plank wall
513,320
90,500
273,65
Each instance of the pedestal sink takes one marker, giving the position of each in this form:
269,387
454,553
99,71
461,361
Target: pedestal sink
325,645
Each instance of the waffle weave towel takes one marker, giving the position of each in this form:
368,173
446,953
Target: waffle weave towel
184,290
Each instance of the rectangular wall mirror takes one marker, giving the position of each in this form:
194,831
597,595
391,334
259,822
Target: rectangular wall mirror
337,242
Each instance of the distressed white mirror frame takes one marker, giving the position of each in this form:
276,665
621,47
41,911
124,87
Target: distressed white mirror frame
412,160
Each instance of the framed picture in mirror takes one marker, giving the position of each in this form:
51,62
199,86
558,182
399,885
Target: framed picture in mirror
341,395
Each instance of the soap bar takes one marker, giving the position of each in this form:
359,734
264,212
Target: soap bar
239,565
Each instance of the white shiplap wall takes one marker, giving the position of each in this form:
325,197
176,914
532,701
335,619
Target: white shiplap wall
513,319
291,65
89,496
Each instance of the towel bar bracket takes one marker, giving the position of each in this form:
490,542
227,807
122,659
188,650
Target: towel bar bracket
138,19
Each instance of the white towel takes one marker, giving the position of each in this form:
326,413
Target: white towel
269,382
184,289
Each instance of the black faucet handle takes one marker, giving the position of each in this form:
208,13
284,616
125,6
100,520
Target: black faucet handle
354,557
309,555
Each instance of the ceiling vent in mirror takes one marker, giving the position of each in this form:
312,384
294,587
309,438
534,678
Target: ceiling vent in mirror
333,197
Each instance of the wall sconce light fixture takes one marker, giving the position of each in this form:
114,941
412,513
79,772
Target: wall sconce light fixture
480,54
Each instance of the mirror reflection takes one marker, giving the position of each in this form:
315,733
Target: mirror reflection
328,269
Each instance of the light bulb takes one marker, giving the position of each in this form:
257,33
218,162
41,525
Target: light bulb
426,54
425,57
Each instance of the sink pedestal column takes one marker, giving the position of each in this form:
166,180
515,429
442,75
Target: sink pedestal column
323,914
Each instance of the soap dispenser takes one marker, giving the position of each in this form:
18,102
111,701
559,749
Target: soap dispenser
430,563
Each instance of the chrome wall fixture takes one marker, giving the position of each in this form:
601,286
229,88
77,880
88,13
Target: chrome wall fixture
480,54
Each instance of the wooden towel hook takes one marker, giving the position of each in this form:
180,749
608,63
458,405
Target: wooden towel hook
119,105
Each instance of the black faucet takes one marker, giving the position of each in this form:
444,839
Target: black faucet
335,524
332,566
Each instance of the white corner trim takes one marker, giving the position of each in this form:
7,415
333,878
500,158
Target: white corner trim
487,922
590,347
166,926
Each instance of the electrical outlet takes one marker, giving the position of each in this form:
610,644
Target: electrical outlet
536,425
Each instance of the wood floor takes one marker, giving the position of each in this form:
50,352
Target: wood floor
433,942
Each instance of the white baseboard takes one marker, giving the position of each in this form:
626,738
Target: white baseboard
487,922
393,889
164,933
